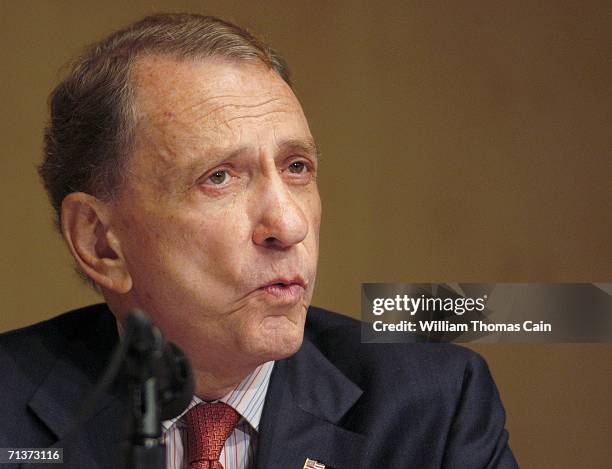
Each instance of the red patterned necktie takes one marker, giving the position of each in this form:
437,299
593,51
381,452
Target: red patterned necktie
208,426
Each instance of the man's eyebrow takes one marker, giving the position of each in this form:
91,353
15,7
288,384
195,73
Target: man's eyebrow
306,146
303,145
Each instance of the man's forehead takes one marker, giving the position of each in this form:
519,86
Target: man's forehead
207,100
165,83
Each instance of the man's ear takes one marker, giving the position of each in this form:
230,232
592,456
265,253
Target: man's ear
86,229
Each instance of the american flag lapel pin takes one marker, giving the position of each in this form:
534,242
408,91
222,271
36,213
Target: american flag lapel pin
312,464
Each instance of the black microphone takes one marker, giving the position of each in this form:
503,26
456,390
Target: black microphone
159,387
176,382
149,356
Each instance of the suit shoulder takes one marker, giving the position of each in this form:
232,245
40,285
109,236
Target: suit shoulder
61,324
320,320
32,348
322,323
338,337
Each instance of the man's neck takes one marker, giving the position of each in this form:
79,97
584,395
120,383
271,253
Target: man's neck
210,386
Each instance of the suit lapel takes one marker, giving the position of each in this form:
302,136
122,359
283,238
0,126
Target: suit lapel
68,384
307,398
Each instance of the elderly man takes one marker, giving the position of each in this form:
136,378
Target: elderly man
184,177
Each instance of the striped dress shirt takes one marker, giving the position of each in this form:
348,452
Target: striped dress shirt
240,447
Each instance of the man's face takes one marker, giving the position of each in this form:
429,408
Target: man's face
219,218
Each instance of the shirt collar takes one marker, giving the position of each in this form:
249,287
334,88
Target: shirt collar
247,398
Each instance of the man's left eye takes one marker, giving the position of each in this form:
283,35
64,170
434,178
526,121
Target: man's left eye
219,177
297,167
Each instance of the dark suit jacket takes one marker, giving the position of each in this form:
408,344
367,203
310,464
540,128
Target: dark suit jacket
337,401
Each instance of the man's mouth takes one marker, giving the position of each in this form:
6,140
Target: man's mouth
286,290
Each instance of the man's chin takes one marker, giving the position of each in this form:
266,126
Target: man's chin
278,337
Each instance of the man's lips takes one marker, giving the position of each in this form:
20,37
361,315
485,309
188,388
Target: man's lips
286,290
286,282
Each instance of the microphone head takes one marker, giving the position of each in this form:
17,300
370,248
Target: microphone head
148,355
176,384
143,338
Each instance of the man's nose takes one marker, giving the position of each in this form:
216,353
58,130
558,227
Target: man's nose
281,222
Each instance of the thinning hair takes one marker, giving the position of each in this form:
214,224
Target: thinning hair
91,129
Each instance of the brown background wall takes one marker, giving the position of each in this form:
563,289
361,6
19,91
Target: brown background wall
462,141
